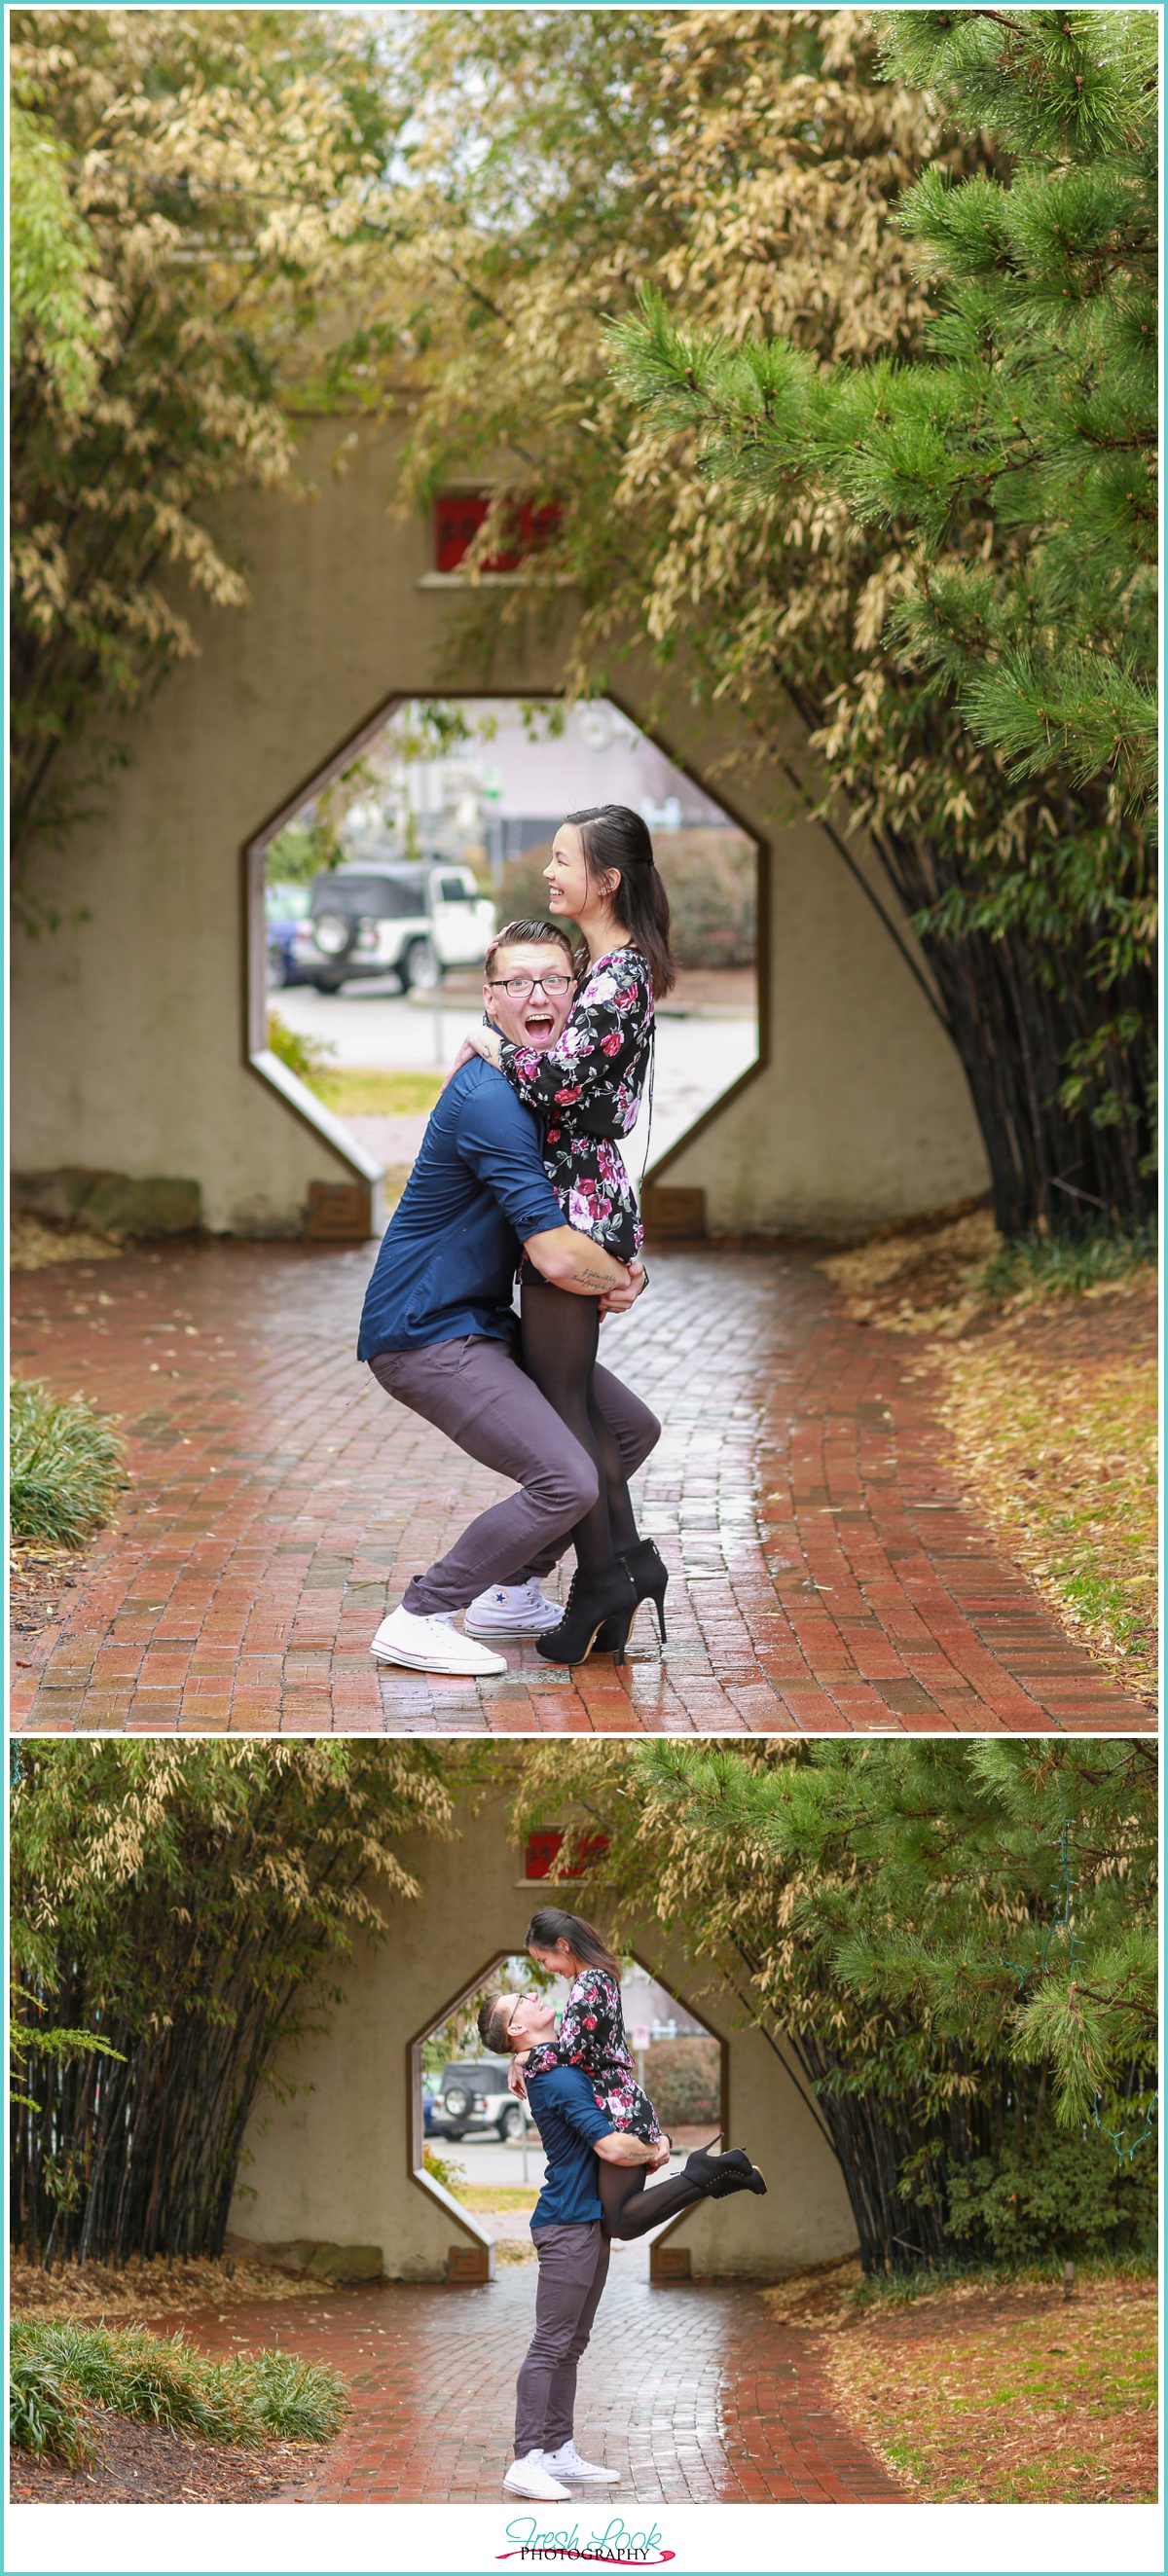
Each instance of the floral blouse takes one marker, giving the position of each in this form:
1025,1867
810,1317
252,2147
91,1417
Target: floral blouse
592,2036
587,1090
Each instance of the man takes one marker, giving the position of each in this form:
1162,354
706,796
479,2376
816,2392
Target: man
440,1333
571,2244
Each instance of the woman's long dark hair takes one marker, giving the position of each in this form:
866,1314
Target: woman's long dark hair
584,1941
614,837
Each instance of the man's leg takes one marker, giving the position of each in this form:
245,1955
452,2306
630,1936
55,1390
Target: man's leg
573,2265
636,1432
559,2420
475,1391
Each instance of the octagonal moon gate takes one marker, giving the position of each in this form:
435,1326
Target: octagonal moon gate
138,1026
336,2159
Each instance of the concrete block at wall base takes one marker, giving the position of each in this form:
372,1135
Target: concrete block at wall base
310,2258
669,2263
339,1212
110,1203
345,2263
468,2266
673,1213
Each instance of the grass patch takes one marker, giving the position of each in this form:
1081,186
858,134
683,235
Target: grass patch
60,2371
1043,1266
499,2195
928,2280
67,1465
365,1091
1002,2395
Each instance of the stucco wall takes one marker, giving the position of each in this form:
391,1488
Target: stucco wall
130,1045
332,2162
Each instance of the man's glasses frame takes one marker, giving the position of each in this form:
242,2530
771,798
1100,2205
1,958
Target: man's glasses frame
519,986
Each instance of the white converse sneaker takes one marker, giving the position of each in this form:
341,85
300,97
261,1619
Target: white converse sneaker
431,1646
513,1610
567,2463
530,2478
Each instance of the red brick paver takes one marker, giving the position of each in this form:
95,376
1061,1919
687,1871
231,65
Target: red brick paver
692,2394
826,1576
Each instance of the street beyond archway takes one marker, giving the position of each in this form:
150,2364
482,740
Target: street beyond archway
827,1576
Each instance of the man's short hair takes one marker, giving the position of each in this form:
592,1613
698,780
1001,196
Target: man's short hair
494,2017
531,934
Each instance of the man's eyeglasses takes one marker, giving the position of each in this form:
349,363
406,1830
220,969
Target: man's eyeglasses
519,986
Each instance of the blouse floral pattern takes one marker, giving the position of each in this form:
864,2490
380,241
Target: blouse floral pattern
592,2036
587,1090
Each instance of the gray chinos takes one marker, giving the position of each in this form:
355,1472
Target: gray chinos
475,1391
573,2268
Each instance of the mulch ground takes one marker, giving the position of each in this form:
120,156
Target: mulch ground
40,1580
1011,2395
145,2464
1048,1405
133,2292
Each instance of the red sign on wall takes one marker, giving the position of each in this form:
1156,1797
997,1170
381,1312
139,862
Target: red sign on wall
543,1851
458,516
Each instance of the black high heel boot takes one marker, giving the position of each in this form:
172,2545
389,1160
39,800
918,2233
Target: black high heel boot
606,1598
650,1575
718,2176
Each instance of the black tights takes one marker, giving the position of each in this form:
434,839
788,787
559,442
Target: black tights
630,2206
561,1333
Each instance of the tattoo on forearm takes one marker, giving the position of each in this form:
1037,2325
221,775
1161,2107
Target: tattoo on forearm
594,1279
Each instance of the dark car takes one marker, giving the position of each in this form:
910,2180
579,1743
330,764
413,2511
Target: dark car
285,912
407,918
473,2101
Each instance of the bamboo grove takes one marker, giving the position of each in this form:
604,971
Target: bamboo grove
190,1907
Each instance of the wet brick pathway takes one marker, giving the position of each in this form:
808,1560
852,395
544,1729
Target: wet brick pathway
826,1576
692,2394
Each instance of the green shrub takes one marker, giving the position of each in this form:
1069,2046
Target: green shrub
161,2380
42,2414
710,877
683,2079
444,2170
67,1465
305,1057
1076,2199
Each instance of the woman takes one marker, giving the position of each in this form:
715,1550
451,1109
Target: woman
592,2037
587,1091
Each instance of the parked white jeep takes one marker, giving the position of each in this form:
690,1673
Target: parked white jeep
411,919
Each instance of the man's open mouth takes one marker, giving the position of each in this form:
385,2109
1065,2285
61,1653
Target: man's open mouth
538,1024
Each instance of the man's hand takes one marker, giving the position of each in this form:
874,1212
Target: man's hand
618,2148
618,1300
570,1259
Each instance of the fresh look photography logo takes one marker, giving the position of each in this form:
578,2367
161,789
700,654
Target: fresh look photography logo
615,2546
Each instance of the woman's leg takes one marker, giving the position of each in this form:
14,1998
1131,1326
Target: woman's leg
630,2206
560,1335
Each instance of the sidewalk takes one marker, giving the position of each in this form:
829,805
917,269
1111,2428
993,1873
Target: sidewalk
692,2394
826,1576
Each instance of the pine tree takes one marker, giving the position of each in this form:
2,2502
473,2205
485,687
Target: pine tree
952,1946
1011,470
